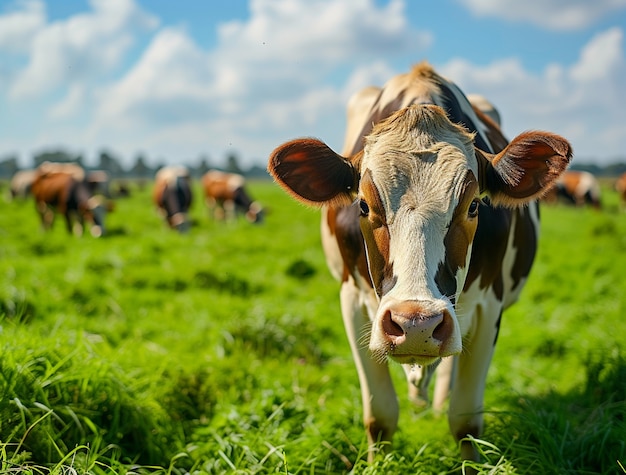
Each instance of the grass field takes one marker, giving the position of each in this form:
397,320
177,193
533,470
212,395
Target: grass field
223,351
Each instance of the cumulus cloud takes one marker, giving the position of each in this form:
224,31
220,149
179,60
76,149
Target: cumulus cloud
549,14
287,70
583,101
18,27
270,71
82,47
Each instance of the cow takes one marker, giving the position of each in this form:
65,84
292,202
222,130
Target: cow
21,183
431,224
578,188
225,196
173,195
58,190
620,187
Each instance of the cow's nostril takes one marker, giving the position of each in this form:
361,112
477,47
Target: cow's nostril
443,331
390,327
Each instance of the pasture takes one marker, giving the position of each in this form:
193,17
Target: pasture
223,351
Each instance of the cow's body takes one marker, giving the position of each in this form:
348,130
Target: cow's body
578,188
225,195
421,276
172,194
57,191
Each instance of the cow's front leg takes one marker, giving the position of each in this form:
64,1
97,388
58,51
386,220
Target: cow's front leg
419,378
465,413
380,404
46,214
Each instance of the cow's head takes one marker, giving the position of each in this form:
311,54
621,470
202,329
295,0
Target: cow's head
418,184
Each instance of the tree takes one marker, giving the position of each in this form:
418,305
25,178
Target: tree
110,164
232,164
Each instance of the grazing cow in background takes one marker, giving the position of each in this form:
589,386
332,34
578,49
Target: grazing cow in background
432,224
60,191
578,188
620,187
173,196
21,183
225,195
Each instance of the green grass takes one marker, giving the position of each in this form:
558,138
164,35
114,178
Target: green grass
223,351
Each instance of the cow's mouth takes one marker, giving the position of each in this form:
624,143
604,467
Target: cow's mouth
421,360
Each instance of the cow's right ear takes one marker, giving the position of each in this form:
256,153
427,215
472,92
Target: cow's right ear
313,173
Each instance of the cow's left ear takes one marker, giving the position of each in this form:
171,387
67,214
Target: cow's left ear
313,173
525,169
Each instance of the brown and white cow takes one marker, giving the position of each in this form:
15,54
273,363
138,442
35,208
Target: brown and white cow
620,187
59,189
225,195
578,188
431,226
173,195
21,182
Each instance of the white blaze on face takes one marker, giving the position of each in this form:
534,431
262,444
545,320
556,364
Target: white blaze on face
418,182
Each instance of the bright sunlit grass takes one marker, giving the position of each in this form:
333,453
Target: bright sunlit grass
223,351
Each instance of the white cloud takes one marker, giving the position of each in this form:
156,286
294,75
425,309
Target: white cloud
286,71
18,26
600,57
83,47
583,102
272,72
550,14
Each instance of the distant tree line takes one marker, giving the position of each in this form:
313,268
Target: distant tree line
139,170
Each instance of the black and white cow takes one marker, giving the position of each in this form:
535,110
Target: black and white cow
431,224
173,195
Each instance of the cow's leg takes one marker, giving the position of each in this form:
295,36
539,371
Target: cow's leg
73,225
465,413
445,375
419,381
46,214
230,210
380,404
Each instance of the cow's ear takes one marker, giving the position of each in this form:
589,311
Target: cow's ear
313,173
525,169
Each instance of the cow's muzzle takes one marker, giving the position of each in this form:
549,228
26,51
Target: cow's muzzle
412,332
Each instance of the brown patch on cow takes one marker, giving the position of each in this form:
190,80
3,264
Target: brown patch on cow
525,243
376,235
347,231
459,237
490,244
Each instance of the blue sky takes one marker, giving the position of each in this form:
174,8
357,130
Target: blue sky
179,80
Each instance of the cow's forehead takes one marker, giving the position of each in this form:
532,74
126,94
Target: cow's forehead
419,159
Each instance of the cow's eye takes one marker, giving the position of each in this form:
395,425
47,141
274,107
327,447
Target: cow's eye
472,212
364,208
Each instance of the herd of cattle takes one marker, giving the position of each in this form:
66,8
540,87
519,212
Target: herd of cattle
424,282
83,199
